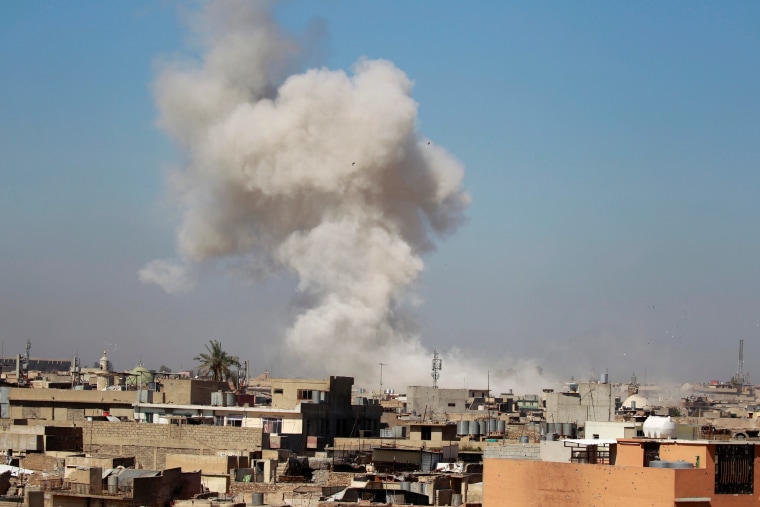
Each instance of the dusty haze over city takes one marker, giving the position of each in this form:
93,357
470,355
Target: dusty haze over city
535,191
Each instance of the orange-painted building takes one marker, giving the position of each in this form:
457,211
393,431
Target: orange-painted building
719,474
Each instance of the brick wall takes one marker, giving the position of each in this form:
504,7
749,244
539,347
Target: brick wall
328,478
150,443
513,451
37,461
339,479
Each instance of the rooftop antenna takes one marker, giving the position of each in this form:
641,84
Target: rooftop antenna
437,365
740,373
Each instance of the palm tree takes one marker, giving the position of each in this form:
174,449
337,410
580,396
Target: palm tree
216,363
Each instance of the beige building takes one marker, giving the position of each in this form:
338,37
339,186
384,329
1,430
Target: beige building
633,472
302,413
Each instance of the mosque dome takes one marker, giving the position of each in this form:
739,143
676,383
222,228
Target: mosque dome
140,374
635,401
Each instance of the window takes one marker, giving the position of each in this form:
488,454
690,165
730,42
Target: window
278,391
651,452
734,473
311,395
427,433
452,404
272,424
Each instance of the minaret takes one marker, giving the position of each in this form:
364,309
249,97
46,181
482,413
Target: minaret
103,375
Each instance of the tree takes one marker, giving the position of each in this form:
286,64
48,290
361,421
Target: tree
216,363
165,369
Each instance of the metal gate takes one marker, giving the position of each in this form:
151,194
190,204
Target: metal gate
734,469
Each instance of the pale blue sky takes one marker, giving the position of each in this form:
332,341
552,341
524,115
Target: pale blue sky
612,151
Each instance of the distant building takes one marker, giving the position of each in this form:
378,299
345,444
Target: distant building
591,401
301,414
425,400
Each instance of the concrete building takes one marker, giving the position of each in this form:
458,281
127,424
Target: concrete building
591,401
90,486
215,470
425,400
67,405
635,472
37,364
432,434
302,414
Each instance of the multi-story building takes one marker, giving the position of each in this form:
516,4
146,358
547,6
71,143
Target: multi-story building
426,401
627,472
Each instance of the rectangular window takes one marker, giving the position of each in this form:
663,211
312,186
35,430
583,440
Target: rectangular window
312,395
278,391
427,433
272,424
734,473
452,404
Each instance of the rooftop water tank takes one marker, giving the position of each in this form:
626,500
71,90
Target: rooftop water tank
568,430
659,427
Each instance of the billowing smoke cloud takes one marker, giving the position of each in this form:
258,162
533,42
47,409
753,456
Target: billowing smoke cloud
322,174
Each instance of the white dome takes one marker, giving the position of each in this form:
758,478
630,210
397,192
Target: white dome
635,399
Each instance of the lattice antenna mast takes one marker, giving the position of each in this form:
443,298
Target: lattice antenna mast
740,373
437,366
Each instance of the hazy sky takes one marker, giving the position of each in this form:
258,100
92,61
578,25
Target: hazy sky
611,151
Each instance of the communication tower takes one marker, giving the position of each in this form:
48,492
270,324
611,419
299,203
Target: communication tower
739,377
437,366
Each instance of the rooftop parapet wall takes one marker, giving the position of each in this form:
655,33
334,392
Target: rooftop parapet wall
536,483
513,451
208,465
150,443
185,391
62,396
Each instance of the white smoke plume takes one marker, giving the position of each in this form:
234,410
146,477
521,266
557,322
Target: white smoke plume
322,174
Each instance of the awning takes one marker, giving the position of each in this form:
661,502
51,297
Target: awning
590,441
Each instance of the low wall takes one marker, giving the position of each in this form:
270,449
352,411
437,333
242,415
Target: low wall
150,443
513,451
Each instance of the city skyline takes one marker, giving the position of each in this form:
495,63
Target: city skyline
609,152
